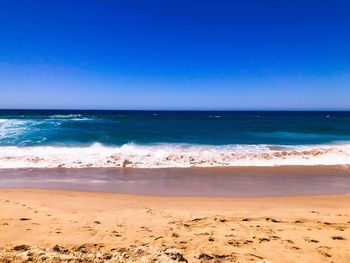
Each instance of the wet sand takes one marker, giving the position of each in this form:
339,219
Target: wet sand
231,182
71,226
270,214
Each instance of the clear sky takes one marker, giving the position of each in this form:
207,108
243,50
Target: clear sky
179,54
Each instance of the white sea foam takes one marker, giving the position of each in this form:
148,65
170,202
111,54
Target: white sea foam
13,127
70,117
65,116
172,155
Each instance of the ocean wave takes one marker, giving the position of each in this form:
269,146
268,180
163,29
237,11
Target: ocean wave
13,127
172,155
65,116
70,117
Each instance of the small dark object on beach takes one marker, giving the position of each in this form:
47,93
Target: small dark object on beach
25,219
311,240
205,256
221,256
256,256
97,222
264,239
56,248
338,238
177,256
324,253
107,256
21,248
59,249
272,220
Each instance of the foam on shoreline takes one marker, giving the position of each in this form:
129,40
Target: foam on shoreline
172,155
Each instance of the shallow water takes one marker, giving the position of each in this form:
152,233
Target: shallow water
240,182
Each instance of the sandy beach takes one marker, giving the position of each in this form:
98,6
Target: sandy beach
72,226
174,131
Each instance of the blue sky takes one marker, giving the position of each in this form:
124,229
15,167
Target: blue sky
175,54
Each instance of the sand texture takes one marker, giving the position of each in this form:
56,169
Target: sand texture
69,226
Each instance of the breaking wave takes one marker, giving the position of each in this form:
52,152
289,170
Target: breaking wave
172,155
13,127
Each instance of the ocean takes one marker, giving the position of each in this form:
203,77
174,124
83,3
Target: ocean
163,139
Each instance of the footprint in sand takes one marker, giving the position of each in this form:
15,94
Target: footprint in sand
92,232
269,219
146,229
264,239
87,228
198,219
324,253
115,233
202,234
275,237
25,219
234,243
338,238
310,240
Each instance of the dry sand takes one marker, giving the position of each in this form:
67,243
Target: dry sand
69,226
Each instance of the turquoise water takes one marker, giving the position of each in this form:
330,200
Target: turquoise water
160,139
73,128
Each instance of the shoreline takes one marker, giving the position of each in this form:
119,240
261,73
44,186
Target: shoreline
171,197
220,182
200,197
111,227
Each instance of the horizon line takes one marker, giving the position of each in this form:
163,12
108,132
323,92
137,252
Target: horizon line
177,110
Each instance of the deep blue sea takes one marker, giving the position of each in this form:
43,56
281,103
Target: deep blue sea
201,137
47,127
